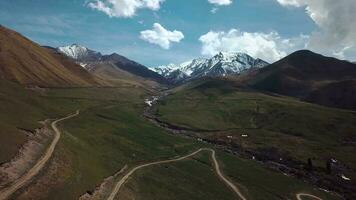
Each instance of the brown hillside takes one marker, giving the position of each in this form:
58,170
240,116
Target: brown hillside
25,62
311,77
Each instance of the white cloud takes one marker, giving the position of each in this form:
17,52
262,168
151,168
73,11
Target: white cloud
161,36
220,2
289,2
337,25
124,8
214,10
267,46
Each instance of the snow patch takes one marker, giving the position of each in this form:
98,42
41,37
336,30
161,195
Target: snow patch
148,102
151,101
74,51
83,65
325,190
345,178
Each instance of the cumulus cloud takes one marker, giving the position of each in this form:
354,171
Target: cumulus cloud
161,36
124,8
337,25
220,2
267,46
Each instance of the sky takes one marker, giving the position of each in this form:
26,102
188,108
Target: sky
159,32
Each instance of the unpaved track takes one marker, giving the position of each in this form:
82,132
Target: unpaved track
216,165
301,195
223,178
19,183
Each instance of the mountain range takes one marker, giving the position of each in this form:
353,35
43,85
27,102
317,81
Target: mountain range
113,68
27,63
304,74
222,64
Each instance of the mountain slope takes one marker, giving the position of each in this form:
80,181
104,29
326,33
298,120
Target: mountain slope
25,62
341,94
133,67
114,67
222,64
310,76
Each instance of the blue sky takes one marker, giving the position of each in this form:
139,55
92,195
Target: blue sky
62,22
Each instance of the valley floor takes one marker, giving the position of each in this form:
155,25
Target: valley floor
110,134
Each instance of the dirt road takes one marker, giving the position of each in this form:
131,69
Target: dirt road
301,195
19,183
223,178
216,165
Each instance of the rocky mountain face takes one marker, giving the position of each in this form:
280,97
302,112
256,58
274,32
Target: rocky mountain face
222,64
117,65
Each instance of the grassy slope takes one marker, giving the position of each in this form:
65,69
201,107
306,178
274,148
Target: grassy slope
270,121
104,139
23,109
175,181
109,133
263,184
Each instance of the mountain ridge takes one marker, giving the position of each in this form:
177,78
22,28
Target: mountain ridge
311,77
27,63
92,60
222,64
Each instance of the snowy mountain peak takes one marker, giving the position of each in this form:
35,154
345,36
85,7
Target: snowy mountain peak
74,51
79,53
233,56
230,55
222,64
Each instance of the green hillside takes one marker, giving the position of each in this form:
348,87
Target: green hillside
273,123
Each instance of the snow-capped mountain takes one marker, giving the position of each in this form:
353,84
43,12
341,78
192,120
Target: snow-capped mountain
79,53
222,64
112,64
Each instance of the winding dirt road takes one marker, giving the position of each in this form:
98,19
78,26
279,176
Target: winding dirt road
19,183
216,165
301,195
223,178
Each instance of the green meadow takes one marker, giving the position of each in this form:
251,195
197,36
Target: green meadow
111,132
